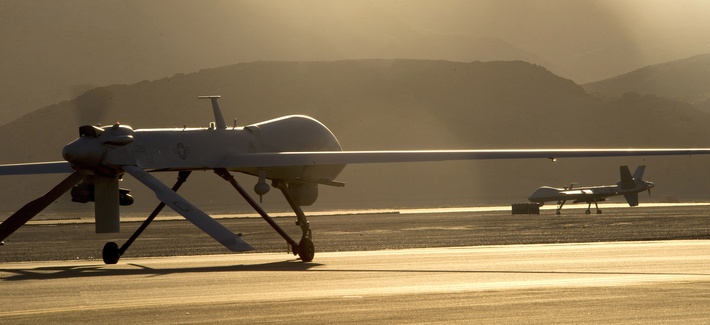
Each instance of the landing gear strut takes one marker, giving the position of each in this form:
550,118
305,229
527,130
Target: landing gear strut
304,249
595,205
111,253
560,204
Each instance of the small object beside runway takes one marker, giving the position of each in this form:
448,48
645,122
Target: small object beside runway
526,208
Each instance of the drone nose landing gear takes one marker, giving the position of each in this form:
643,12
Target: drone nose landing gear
560,204
112,253
305,248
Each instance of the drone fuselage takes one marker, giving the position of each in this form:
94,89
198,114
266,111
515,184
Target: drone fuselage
197,148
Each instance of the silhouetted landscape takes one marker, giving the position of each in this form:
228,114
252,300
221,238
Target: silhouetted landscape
57,50
381,75
686,80
392,104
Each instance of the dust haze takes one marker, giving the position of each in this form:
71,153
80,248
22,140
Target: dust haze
52,47
67,63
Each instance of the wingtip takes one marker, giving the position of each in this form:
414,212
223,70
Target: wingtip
236,244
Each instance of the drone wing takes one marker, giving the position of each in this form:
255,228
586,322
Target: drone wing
192,213
52,167
274,159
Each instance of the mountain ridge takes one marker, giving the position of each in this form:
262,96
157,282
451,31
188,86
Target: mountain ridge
686,80
387,104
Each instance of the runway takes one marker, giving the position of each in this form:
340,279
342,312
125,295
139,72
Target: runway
610,282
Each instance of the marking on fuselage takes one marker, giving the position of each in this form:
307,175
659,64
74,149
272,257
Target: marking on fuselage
181,150
182,206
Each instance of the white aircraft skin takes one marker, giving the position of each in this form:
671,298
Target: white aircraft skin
629,186
296,153
206,148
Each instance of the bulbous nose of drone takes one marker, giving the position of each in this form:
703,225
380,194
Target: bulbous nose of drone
84,152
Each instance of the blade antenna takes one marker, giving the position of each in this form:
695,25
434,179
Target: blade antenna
218,118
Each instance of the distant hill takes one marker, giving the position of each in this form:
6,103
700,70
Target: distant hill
388,104
49,60
685,80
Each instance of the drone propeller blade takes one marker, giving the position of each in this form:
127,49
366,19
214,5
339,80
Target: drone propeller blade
31,209
91,106
51,167
192,213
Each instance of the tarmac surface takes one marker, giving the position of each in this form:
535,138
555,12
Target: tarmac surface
640,265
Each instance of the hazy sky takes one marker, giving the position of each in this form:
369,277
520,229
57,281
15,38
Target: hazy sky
54,49
656,30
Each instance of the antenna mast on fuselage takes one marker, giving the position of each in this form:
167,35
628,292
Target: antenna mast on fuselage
218,118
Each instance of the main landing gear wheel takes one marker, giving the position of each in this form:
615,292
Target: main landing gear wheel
306,250
110,253
599,211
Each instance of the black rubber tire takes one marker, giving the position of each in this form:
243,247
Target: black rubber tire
306,250
110,253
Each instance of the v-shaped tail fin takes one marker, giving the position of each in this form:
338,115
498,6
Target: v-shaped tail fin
627,181
638,174
632,199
